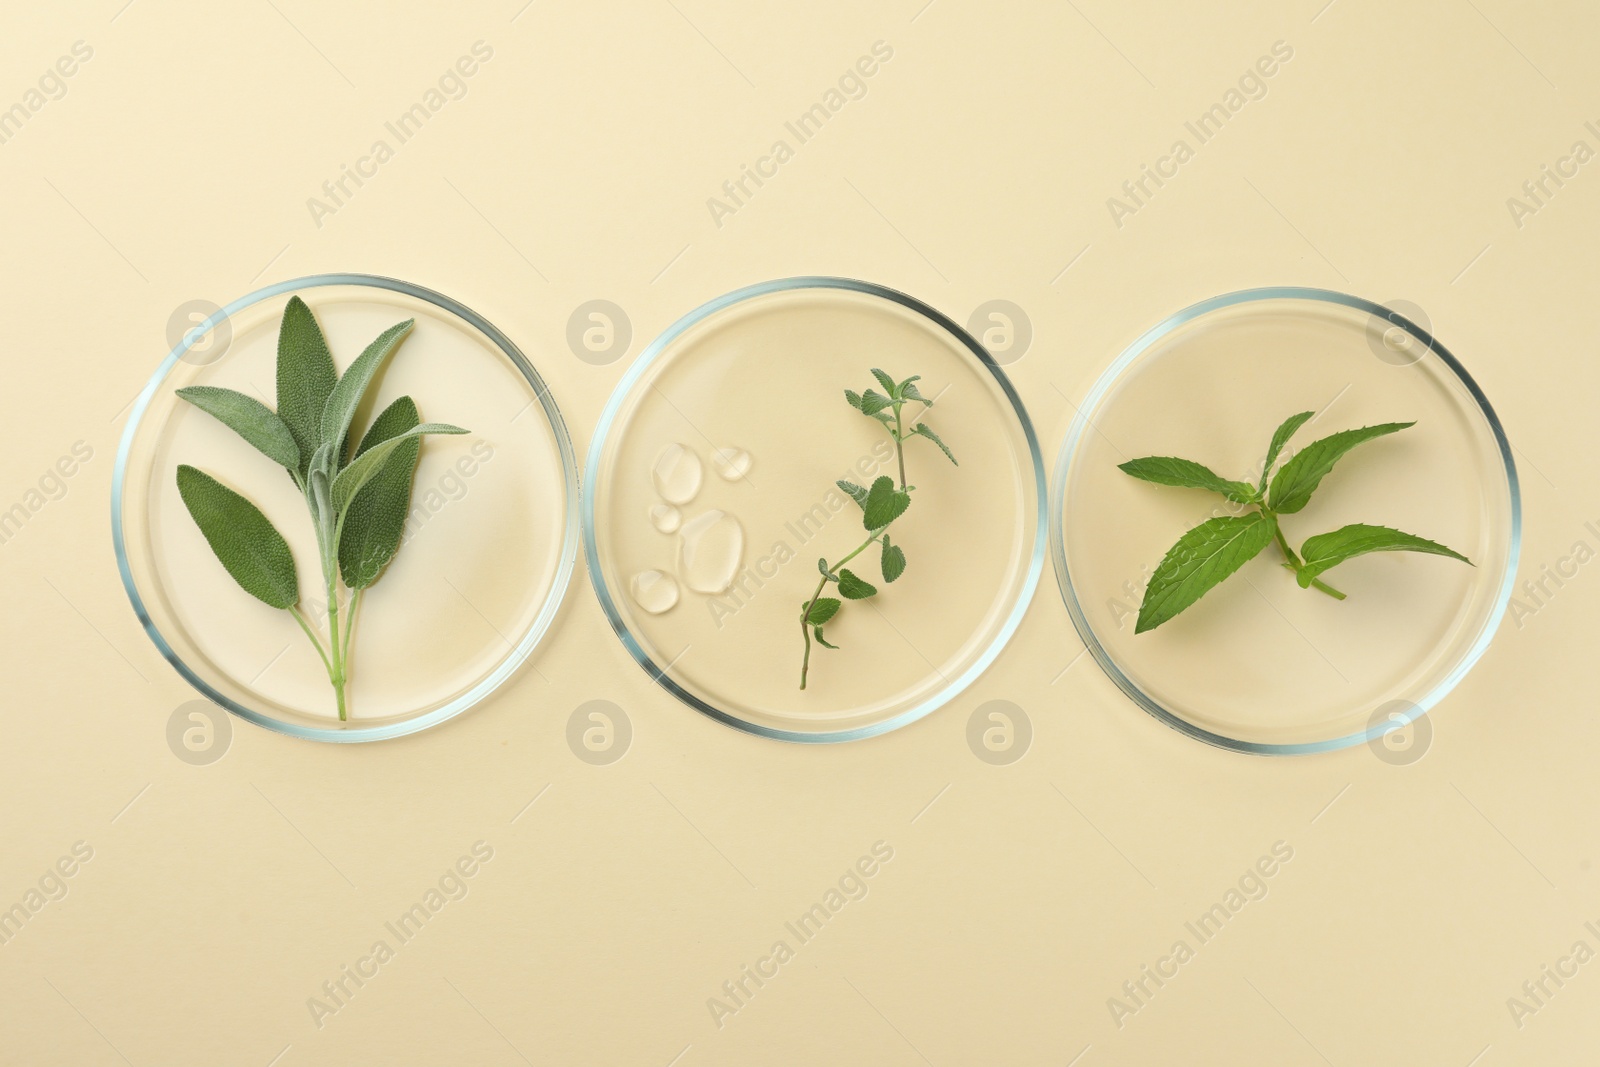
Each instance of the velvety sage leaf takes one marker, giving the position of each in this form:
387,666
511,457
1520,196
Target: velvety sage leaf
824,609
872,402
376,518
1280,438
816,631
244,540
893,562
250,419
853,491
348,482
1328,550
1297,479
922,430
1186,474
884,504
352,386
306,375
888,383
851,587
1201,559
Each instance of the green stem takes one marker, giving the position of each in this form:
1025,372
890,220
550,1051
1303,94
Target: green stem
899,450
1292,561
336,673
316,642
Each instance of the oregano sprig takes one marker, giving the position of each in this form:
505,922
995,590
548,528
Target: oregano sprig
358,503
882,504
1215,549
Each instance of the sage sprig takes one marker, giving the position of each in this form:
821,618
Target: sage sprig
358,503
882,504
1215,549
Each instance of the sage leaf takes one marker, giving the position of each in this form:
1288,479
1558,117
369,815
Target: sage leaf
816,631
1187,474
348,482
854,491
1328,550
352,386
824,609
884,504
852,587
922,429
1297,479
893,562
370,534
250,419
244,540
1202,558
1280,438
306,375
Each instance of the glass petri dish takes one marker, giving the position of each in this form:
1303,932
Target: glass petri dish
709,495
487,551
1258,664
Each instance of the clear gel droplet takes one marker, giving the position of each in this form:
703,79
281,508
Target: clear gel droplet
731,463
710,549
677,474
665,518
654,591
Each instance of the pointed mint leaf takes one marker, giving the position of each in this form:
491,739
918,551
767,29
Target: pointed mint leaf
348,482
250,419
884,504
1328,550
852,587
922,430
888,383
352,386
893,562
244,540
306,375
824,609
854,398
908,391
872,402
853,491
1187,474
1201,559
372,527
1297,479
1279,439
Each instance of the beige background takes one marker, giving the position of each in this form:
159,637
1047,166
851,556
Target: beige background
1419,898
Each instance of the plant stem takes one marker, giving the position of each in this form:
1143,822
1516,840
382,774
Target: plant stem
899,451
311,635
1292,561
336,671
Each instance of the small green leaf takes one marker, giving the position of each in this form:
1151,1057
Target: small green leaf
854,398
824,609
244,540
853,588
352,386
306,375
908,391
1186,474
348,482
1201,559
921,429
250,419
893,562
822,565
370,534
816,631
1328,550
873,402
1279,439
884,504
1297,479
854,491
887,382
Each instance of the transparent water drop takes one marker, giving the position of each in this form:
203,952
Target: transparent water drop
710,550
730,463
654,591
677,474
665,518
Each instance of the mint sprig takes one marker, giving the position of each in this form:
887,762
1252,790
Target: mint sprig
358,505
1210,552
882,505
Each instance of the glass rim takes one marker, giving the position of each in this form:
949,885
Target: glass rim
1081,421
569,542
602,435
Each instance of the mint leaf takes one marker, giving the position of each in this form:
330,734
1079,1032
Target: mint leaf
1297,479
908,391
822,565
853,588
370,533
854,398
873,402
816,631
1279,439
306,375
1201,559
824,609
352,386
244,540
1186,474
348,482
854,491
250,419
887,382
893,562
884,504
921,429
1328,550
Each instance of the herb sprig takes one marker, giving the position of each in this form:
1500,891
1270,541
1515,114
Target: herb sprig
1218,547
358,503
882,504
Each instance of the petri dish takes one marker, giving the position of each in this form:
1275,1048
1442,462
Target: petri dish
709,495
1258,664
487,550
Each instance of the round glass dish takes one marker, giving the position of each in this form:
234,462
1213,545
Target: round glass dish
709,494
1259,664
487,551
